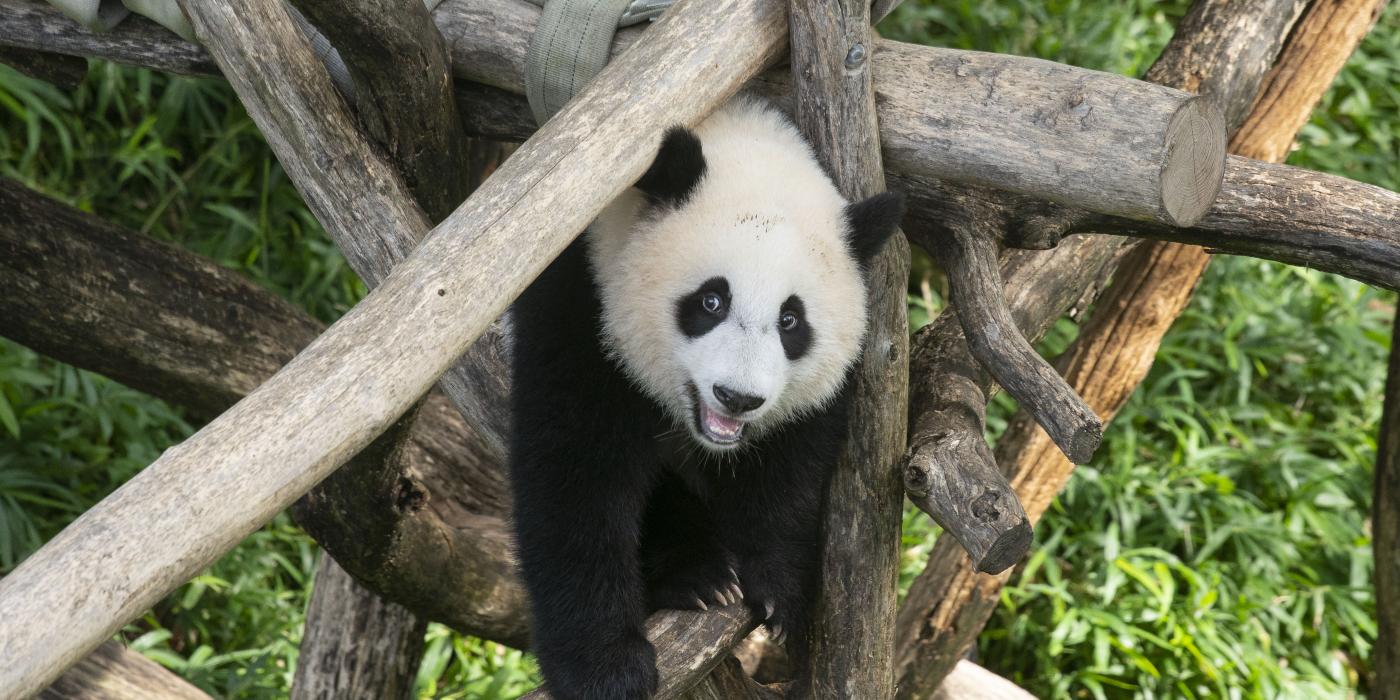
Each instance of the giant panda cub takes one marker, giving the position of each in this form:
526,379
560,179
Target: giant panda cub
681,393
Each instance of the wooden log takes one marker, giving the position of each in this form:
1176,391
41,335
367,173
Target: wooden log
114,672
493,35
1116,347
694,644
357,645
403,92
1385,542
948,470
853,618
968,681
728,682
1093,140
195,334
61,71
177,515
968,255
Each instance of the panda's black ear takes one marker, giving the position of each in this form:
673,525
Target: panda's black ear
678,167
871,222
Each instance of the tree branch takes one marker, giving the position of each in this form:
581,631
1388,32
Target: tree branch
114,672
188,331
1385,525
948,604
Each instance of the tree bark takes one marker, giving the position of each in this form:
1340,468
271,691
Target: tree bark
114,672
356,645
188,331
1385,528
1116,347
56,69
853,620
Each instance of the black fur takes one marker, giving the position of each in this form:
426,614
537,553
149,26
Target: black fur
693,318
797,341
872,221
677,170
612,522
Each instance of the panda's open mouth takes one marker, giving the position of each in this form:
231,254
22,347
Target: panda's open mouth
713,425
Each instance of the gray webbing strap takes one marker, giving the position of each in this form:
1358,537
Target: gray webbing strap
571,44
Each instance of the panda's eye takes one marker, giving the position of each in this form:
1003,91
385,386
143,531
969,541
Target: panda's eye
711,302
787,321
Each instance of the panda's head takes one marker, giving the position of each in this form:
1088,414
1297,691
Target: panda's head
731,276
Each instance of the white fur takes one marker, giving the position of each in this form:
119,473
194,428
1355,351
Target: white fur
766,218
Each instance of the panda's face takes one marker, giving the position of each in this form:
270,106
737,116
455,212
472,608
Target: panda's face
731,282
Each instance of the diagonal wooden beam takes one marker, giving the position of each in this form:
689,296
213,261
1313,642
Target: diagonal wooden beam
204,495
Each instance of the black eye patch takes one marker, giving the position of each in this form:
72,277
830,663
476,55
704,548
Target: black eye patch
798,340
692,315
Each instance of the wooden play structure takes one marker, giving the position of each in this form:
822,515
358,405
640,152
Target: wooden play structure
1038,187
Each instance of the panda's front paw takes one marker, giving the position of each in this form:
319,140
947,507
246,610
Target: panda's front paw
698,587
625,670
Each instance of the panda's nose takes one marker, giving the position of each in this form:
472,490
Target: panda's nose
735,401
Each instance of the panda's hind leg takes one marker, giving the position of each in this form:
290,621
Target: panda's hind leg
686,565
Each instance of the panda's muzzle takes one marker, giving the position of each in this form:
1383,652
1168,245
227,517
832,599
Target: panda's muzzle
714,426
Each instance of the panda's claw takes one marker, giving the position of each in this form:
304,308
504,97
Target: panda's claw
779,634
701,603
768,610
736,591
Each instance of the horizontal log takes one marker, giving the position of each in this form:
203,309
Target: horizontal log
696,642
114,672
193,333
1093,140
179,514
1294,216
488,39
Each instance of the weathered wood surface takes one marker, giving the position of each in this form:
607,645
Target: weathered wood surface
403,92
968,255
1116,347
195,334
1094,140
728,682
114,672
689,645
356,645
61,71
493,34
181,512
968,681
1385,528
852,635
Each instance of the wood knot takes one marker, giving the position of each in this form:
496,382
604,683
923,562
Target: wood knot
409,497
984,508
915,480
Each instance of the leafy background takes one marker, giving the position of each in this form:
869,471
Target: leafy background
1218,545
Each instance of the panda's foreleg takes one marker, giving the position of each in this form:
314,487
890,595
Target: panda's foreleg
686,565
578,511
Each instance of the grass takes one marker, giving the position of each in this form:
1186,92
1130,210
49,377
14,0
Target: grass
1217,546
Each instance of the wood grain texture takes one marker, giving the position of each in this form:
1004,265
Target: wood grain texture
59,70
492,33
114,672
1097,141
969,258
1116,347
968,681
403,94
689,645
37,26
356,644
852,636
204,495
200,336
1385,542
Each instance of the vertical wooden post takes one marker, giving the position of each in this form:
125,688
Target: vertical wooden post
1385,528
853,625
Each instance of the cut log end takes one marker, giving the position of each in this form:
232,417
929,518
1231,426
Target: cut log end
1008,548
1194,167
1081,444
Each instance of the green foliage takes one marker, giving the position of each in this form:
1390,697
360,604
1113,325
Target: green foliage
1216,546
